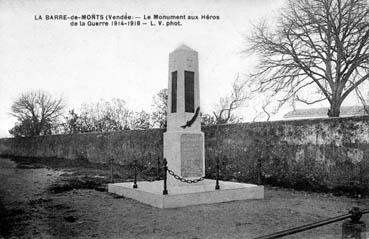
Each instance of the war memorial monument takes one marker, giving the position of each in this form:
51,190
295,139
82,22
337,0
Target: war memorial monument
184,148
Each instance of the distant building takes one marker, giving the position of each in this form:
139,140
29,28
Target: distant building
346,111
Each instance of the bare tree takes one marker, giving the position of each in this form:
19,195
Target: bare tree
140,120
105,116
160,104
316,45
72,123
207,119
37,113
224,110
265,109
363,100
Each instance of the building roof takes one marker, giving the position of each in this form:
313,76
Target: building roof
346,111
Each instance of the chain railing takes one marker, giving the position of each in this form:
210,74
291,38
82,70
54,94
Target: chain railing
135,170
184,180
134,167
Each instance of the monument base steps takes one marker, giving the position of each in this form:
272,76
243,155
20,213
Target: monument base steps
186,195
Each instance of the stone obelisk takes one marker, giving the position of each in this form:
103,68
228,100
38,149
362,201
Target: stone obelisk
184,141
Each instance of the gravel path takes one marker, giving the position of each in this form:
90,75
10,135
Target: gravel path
32,211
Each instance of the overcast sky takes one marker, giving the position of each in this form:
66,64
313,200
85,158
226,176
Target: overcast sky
85,64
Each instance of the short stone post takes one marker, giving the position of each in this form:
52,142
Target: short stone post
354,229
135,177
165,169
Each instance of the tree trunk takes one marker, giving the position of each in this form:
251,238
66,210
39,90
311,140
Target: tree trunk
334,110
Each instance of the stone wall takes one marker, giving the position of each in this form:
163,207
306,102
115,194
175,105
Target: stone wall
123,146
320,154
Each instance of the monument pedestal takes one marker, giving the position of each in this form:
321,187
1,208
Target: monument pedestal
204,192
185,154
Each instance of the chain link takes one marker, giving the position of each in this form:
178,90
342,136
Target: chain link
183,179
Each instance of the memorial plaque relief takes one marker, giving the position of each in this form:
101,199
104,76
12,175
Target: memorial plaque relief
191,154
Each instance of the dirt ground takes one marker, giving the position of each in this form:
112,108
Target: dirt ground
54,199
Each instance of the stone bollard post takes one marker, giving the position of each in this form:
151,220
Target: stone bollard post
354,229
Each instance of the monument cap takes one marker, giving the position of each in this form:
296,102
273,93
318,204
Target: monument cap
183,47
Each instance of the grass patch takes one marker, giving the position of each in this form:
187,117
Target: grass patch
71,181
10,218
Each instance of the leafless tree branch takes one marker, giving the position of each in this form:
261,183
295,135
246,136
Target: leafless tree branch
224,112
316,43
39,110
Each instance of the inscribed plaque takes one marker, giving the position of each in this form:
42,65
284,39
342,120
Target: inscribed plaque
191,155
